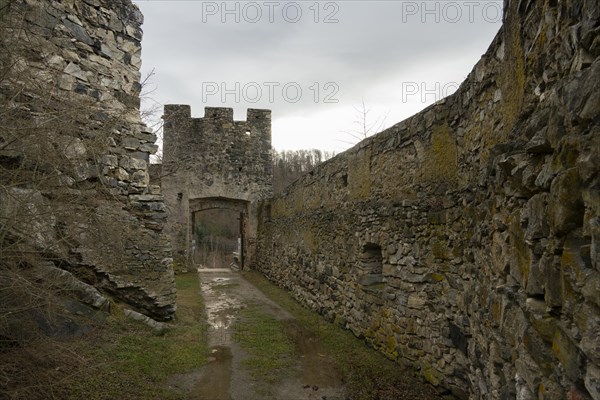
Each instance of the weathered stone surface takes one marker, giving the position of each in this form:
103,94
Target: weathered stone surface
158,327
566,201
77,49
85,293
594,227
592,381
485,208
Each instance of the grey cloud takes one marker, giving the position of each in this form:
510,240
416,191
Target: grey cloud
370,43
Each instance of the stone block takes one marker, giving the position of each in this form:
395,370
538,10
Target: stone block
111,161
550,267
537,218
566,202
78,31
588,322
591,288
568,354
535,278
416,301
140,178
147,197
131,163
594,227
149,148
71,147
130,143
121,175
592,380
75,71
539,143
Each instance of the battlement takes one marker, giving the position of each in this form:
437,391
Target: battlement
177,111
255,114
218,113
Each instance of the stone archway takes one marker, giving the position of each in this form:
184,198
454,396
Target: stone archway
238,206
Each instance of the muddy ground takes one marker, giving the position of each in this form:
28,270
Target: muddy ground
312,376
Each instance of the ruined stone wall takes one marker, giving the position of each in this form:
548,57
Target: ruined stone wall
214,158
72,87
465,240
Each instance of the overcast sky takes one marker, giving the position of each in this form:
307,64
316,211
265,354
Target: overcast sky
314,63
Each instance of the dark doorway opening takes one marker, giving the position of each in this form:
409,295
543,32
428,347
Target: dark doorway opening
217,238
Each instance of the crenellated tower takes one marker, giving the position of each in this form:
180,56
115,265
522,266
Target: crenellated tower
214,162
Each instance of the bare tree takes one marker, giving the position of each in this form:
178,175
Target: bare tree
364,124
289,165
151,112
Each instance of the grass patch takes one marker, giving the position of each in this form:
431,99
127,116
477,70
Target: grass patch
134,363
270,350
120,359
190,306
367,374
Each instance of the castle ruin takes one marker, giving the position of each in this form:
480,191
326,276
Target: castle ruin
463,242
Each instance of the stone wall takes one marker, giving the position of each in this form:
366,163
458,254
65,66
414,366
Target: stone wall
214,162
70,95
465,240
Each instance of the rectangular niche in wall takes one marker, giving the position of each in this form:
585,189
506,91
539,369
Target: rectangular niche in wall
370,265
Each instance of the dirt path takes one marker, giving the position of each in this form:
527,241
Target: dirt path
229,375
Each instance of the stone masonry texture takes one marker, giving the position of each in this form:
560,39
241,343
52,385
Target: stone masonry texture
465,241
88,52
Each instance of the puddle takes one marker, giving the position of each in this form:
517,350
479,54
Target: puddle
220,309
214,382
184,383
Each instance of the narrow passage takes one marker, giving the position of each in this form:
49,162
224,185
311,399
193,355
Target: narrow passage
258,350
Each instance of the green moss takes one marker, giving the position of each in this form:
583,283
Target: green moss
376,287
545,327
278,208
497,311
310,241
391,346
568,354
431,375
339,321
359,174
179,266
439,249
187,282
441,164
513,71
